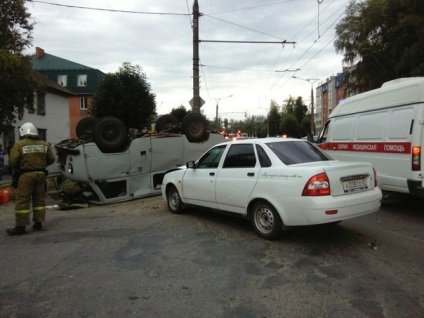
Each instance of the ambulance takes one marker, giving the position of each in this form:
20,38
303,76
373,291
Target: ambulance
385,127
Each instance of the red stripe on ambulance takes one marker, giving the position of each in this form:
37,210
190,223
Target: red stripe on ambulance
379,147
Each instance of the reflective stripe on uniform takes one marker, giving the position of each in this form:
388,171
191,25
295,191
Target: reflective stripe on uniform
22,211
38,208
34,149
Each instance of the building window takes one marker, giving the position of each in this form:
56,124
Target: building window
82,80
41,104
83,103
42,134
62,80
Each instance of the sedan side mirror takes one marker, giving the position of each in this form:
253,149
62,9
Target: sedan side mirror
190,165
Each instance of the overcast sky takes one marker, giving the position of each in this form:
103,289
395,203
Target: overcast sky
157,35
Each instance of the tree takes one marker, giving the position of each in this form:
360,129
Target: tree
290,126
179,113
16,73
293,117
274,118
385,39
125,95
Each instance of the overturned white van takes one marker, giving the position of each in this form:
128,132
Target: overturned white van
384,126
133,173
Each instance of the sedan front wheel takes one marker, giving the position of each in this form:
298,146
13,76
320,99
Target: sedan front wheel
174,200
265,220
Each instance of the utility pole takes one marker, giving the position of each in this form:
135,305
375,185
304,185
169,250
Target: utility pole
217,116
311,81
196,77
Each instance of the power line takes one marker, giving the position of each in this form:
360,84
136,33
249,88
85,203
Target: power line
255,7
251,42
241,26
108,10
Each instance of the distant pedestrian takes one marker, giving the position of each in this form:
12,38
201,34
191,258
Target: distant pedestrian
30,156
2,154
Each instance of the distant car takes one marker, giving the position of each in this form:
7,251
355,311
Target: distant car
275,183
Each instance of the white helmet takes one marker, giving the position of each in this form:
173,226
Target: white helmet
28,129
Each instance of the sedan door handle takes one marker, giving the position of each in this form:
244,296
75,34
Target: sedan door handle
250,174
211,173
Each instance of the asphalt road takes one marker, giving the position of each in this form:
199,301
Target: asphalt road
135,259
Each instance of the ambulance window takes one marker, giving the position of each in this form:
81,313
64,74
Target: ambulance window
323,135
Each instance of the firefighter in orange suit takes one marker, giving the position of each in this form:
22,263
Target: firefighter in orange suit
30,156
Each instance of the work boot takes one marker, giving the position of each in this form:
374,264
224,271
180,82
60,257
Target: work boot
17,230
37,226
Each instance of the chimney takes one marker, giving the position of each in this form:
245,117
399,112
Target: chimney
39,52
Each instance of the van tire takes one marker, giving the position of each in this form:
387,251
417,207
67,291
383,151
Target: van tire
166,122
194,127
85,127
110,134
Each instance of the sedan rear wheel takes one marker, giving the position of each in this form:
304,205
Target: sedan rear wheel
266,221
174,200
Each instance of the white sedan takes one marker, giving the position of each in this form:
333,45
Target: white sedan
275,183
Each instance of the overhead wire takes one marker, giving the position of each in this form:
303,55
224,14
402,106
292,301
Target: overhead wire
107,10
293,65
211,16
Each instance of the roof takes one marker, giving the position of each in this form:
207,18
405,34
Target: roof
402,91
51,84
47,62
55,68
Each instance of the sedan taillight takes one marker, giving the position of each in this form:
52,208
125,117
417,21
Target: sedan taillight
318,185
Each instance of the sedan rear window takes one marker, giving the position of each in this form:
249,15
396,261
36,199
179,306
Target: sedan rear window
293,152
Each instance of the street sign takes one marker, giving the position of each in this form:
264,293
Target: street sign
202,102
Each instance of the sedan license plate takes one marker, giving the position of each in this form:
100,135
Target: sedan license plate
354,185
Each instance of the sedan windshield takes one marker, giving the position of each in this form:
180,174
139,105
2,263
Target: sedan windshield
293,152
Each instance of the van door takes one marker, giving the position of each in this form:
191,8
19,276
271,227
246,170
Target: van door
322,138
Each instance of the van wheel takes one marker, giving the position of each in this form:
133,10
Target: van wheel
194,127
173,200
85,127
110,134
265,220
166,122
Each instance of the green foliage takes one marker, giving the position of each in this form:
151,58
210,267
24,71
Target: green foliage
274,118
292,120
19,88
15,26
290,126
16,76
125,95
179,113
293,117
384,38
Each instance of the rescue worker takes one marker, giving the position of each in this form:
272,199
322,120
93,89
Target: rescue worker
30,156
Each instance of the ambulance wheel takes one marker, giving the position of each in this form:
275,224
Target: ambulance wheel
85,126
194,127
110,134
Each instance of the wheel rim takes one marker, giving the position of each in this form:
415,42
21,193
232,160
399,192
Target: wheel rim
174,200
264,219
110,133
